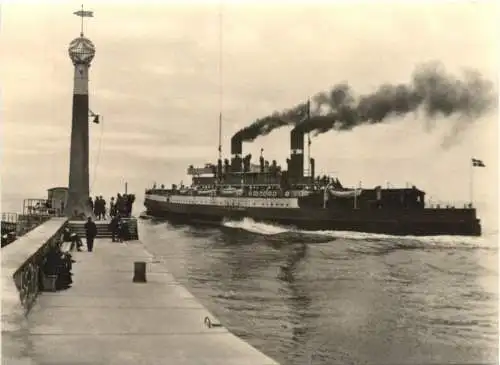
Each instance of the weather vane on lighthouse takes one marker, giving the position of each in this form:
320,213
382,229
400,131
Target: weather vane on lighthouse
83,14
81,51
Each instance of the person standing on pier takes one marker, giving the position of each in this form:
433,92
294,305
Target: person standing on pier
122,230
120,204
112,207
90,233
103,207
96,207
114,225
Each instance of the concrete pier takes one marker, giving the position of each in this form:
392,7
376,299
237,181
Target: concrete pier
106,318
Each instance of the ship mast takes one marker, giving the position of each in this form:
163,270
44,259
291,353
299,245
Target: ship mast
308,116
220,81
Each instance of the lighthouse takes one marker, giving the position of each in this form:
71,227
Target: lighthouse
81,52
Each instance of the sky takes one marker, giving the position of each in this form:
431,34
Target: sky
156,82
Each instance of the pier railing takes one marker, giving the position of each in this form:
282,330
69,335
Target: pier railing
42,207
9,222
9,217
12,230
21,269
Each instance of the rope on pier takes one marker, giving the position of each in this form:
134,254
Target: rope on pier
98,154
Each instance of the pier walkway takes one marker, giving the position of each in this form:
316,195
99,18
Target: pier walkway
105,318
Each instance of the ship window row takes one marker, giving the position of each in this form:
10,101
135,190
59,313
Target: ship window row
254,203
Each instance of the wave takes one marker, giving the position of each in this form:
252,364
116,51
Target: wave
252,226
487,241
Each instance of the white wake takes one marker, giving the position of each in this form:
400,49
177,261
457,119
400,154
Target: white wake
487,240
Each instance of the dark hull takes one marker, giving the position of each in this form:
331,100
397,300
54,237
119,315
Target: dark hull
424,222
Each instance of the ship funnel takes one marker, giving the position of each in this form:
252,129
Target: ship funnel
296,169
236,153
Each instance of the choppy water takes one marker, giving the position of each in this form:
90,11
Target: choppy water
338,297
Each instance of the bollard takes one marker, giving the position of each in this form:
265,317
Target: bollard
139,272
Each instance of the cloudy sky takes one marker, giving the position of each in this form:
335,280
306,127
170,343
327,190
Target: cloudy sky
155,81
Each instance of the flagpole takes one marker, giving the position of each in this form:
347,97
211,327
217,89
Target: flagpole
220,79
471,187
220,88
220,136
309,152
309,136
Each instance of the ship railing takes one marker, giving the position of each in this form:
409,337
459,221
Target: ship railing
442,204
8,217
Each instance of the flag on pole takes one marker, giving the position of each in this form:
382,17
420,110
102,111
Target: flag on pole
84,13
478,163
95,116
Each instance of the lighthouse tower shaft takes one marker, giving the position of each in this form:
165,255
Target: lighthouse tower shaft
81,52
78,192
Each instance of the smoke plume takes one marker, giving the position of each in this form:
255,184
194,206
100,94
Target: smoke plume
431,91
266,125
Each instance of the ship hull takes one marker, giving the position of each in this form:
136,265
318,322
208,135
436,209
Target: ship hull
424,222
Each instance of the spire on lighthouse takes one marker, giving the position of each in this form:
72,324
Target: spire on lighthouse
83,14
81,52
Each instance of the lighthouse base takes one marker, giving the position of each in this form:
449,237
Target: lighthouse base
78,208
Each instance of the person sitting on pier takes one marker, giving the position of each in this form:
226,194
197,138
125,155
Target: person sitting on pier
72,237
60,264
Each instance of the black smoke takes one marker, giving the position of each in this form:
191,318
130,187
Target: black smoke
432,91
266,125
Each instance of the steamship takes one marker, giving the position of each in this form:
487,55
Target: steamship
238,189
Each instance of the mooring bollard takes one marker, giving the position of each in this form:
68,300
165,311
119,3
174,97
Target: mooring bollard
139,272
